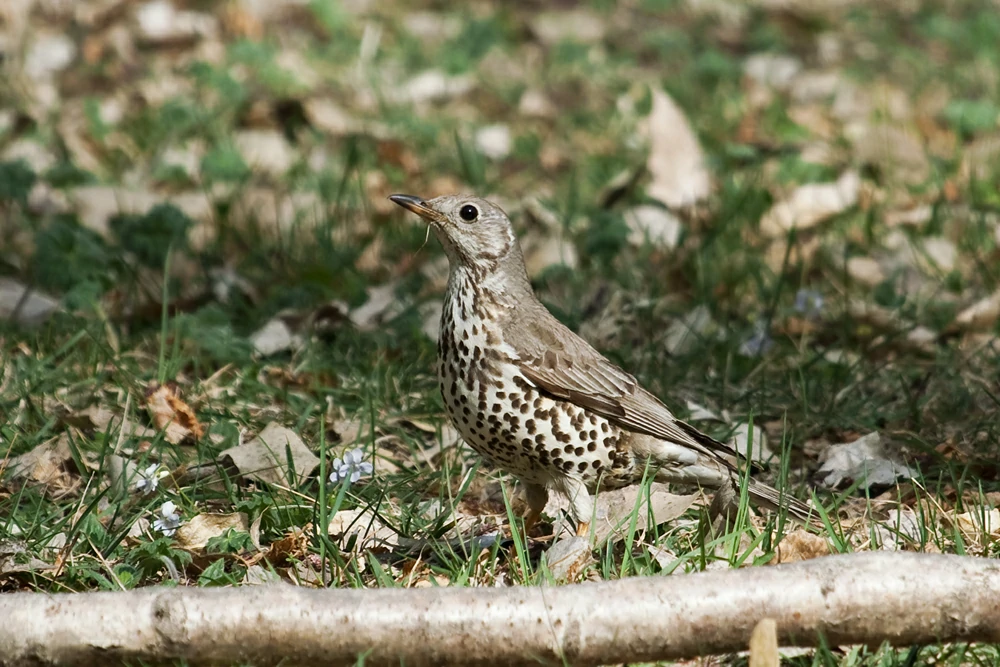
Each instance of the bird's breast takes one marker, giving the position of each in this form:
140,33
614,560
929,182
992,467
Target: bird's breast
507,419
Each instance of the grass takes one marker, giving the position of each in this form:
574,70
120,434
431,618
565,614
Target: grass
827,381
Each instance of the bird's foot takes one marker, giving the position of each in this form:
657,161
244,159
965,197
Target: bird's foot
583,529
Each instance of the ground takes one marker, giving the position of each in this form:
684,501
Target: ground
781,217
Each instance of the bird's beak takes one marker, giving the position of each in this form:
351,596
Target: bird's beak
418,206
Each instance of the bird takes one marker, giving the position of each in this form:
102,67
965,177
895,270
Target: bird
534,399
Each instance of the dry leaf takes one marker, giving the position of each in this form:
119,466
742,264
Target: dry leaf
655,224
685,332
568,558
615,507
50,465
378,309
363,523
24,305
741,439
494,141
676,161
980,316
195,533
811,204
265,151
171,414
979,521
898,154
577,24
901,529
265,458
800,545
863,460
274,337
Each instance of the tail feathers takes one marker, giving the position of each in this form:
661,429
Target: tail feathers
772,499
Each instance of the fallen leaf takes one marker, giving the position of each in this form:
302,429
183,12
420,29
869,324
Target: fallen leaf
24,305
740,440
122,473
195,533
274,337
161,25
47,54
865,270
980,316
377,309
901,529
365,526
258,575
535,103
266,151
676,162
811,204
979,521
685,332
774,70
265,458
896,153
578,24
494,141
864,460
171,414
800,545
655,224
102,419
615,508
15,558
568,558
432,86
49,465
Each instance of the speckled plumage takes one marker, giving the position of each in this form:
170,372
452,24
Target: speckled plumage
535,399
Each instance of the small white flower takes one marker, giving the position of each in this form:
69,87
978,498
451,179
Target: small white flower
149,479
757,344
351,468
809,302
169,520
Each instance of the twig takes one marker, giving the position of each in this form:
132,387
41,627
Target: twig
901,598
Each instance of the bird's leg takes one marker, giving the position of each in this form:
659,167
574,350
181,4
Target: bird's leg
581,504
537,496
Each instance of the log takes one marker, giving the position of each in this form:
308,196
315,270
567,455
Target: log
901,598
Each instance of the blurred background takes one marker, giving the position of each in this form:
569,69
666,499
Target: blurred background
784,210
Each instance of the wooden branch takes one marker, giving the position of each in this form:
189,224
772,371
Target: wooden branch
901,598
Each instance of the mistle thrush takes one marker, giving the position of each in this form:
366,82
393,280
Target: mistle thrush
535,399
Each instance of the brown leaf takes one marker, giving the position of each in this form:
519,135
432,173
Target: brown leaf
800,545
264,458
811,204
195,533
171,414
50,465
676,161
568,558
615,507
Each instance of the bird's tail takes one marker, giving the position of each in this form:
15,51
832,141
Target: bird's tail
772,499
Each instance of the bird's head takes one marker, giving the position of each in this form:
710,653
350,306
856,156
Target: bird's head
474,232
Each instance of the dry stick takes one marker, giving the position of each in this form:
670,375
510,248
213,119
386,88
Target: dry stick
861,598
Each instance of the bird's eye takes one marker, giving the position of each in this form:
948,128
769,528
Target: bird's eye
469,213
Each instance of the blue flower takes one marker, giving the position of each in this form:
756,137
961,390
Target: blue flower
351,468
149,479
757,344
809,302
169,520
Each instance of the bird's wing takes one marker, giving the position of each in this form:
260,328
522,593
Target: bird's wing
587,379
